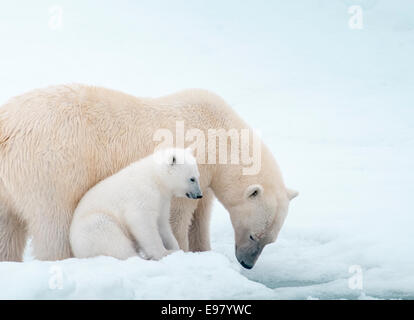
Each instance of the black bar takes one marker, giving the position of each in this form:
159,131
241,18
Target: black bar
212,309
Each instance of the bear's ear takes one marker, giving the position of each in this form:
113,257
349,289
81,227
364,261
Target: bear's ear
291,193
253,191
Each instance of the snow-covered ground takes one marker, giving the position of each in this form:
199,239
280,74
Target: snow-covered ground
335,105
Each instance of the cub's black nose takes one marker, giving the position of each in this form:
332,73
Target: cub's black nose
194,195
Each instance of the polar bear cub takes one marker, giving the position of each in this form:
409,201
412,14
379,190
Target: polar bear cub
128,213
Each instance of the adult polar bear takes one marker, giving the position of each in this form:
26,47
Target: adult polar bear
58,142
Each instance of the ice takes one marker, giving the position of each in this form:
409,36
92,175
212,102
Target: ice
335,106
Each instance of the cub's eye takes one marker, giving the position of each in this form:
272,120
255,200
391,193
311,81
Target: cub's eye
192,179
251,238
254,194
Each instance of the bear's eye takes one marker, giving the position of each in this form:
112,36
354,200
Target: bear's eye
251,238
192,179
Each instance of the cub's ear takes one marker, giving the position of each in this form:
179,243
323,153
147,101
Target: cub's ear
291,193
172,160
253,191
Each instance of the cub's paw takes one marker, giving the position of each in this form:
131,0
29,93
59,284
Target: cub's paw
171,251
158,256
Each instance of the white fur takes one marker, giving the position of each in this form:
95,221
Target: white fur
130,210
58,142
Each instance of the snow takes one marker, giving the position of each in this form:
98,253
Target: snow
334,105
178,276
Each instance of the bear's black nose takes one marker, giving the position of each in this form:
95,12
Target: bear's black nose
199,196
245,265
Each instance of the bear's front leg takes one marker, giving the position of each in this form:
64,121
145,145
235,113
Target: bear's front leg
144,229
12,236
50,236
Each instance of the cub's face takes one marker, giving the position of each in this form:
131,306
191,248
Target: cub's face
183,174
257,220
